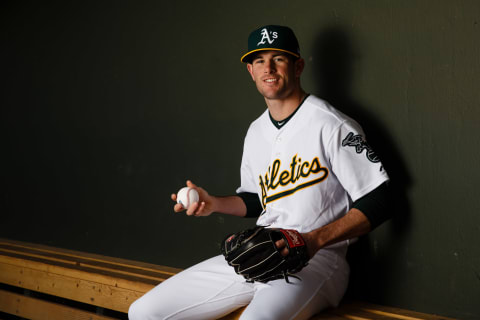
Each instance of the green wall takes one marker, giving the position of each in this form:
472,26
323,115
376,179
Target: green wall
108,107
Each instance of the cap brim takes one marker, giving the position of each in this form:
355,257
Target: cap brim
244,58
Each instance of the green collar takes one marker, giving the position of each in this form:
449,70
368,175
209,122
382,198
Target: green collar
281,123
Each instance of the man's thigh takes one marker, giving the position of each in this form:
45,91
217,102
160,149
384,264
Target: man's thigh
319,285
207,290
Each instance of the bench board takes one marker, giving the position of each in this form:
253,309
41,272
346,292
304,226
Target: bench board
113,283
36,309
88,278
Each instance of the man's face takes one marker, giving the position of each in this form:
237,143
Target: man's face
276,74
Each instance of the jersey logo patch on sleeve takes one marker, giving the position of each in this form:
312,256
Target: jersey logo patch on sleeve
359,143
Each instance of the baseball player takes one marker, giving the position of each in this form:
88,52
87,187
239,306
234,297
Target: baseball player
305,166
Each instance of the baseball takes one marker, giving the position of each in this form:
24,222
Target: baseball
186,196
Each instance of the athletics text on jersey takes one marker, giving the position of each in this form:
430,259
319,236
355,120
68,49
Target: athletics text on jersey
297,175
308,172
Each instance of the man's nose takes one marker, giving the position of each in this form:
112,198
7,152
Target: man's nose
269,66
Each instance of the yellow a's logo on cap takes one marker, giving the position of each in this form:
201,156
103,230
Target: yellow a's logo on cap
266,36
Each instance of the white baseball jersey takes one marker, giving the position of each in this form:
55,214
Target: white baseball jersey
308,172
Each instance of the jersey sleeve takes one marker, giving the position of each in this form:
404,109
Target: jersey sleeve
248,189
355,164
375,205
247,181
253,204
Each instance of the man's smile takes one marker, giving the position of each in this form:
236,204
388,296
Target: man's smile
270,80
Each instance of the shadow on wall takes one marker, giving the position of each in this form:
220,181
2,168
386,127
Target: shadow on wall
334,57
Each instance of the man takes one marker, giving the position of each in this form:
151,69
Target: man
305,166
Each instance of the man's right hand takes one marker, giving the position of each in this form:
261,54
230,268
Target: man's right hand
202,208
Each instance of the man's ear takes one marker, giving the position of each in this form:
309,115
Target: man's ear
250,70
299,65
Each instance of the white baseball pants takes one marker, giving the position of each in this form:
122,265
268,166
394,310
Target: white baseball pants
211,289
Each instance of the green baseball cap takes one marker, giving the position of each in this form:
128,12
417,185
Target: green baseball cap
272,37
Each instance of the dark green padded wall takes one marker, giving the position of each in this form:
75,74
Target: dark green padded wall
108,107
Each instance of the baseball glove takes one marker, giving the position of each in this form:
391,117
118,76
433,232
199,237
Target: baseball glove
254,255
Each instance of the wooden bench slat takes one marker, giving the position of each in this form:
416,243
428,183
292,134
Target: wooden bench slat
57,259
77,289
363,310
328,316
360,315
114,283
38,262
398,313
45,250
108,278
100,262
36,309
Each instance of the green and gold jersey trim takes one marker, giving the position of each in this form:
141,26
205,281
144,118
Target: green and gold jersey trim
281,123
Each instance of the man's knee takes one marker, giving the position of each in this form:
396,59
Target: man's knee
138,311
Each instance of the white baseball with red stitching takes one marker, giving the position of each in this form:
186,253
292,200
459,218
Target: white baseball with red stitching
186,196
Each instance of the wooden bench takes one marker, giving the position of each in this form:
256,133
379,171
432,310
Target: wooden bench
45,283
